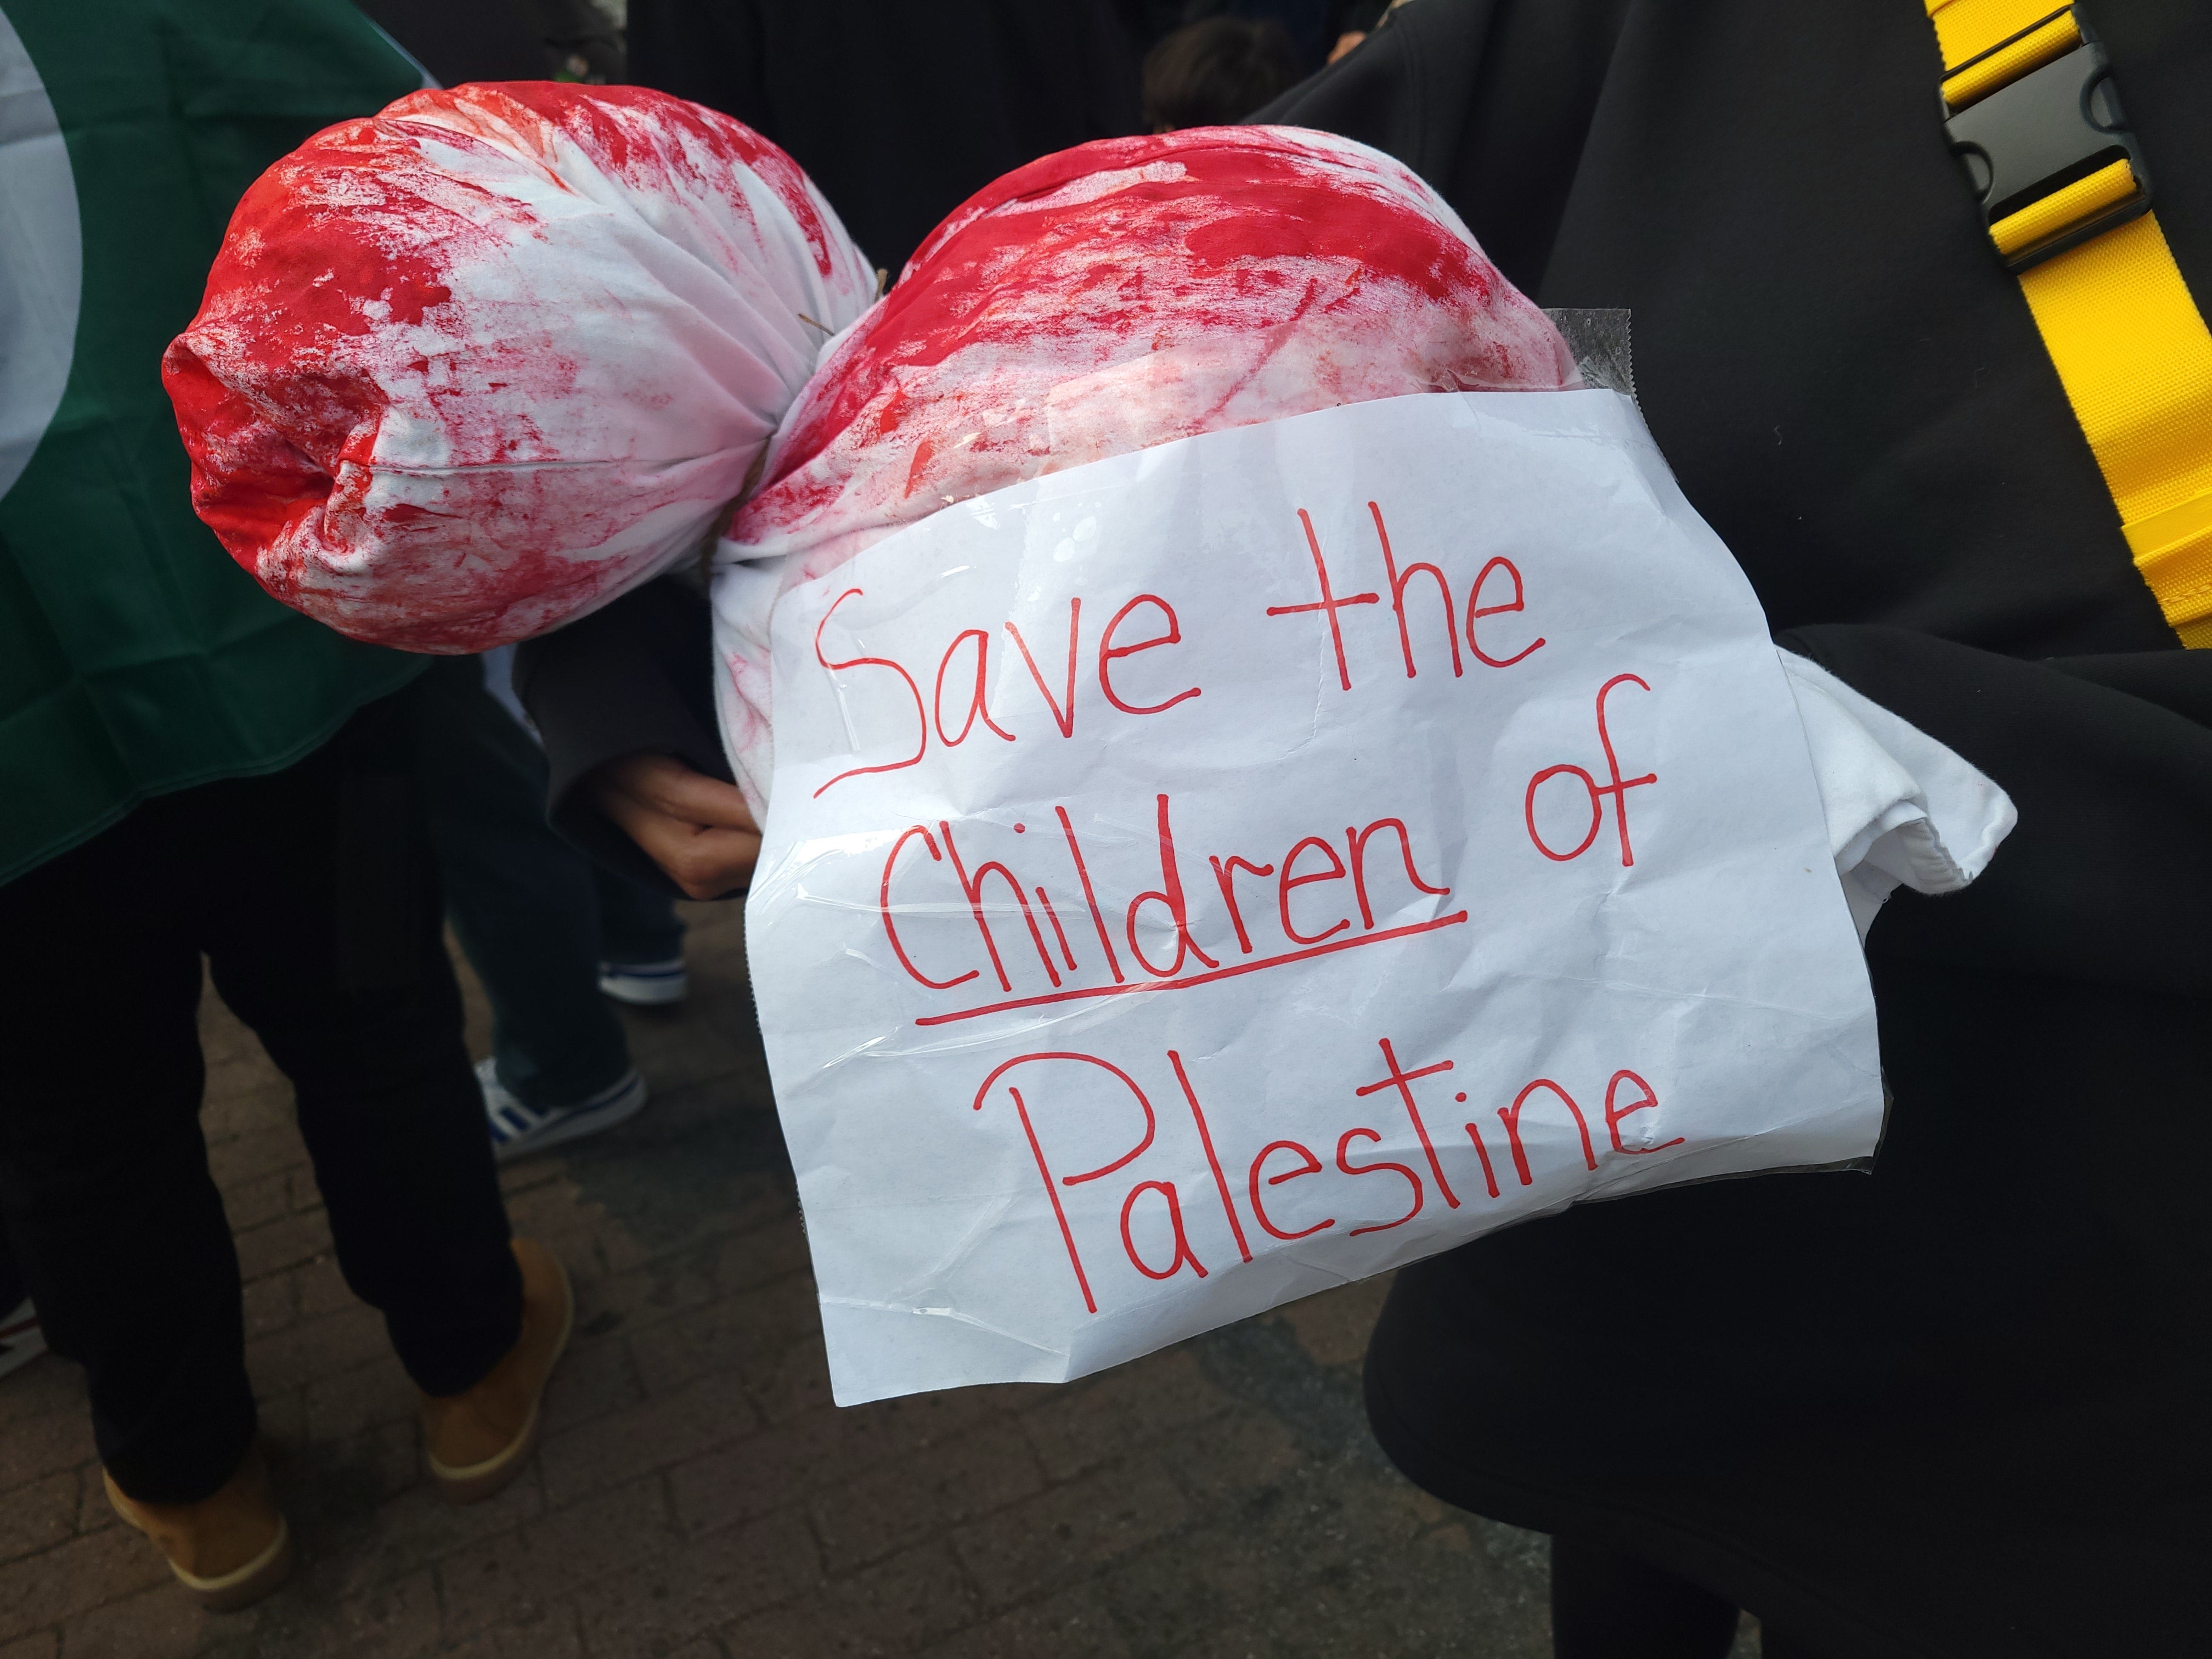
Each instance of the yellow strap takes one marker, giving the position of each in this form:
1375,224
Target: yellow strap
2129,345
1967,29
2054,38
2107,187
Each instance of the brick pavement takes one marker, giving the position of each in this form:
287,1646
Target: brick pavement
698,1496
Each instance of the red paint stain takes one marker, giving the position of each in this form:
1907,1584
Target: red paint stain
472,365
1127,293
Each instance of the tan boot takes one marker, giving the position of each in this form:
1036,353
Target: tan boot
229,1550
480,1441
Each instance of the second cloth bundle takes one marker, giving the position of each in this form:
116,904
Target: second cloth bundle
1108,299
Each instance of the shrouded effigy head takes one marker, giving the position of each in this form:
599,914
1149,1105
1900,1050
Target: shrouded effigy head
1130,292
1108,299
472,367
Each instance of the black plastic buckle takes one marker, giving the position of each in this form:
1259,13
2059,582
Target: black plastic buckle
2038,133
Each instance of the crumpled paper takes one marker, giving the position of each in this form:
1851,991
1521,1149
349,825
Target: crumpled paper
1215,873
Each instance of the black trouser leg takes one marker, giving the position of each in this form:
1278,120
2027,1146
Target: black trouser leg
311,890
339,965
636,924
118,1230
522,899
1606,1605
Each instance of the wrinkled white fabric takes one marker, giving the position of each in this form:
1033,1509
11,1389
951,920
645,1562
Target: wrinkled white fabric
1903,810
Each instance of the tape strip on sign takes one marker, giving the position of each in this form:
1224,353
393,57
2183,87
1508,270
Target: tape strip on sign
1205,876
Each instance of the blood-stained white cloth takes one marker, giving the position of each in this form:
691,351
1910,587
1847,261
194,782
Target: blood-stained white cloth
1107,298
476,365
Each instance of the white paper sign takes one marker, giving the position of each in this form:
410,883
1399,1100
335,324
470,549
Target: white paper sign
1214,874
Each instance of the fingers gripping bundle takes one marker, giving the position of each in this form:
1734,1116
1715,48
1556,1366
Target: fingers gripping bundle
475,366
1114,296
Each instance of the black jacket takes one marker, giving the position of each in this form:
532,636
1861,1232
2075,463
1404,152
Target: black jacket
1956,1408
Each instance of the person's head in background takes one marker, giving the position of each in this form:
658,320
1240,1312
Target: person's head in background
1216,72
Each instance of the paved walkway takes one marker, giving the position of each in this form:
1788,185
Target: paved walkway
698,1497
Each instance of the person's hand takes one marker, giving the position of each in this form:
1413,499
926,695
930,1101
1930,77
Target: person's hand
697,829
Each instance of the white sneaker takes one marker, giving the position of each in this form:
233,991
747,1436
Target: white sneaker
518,1131
21,1340
645,984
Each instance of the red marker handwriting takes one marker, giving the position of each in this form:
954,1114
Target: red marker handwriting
1063,711
1398,581
964,671
1403,1081
1044,1169
1617,789
912,690
1165,1228
1328,605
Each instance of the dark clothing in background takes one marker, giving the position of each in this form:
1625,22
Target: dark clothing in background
585,45
1215,73
899,112
312,893
462,41
1144,22
534,915
1312,25
1606,1605
1955,1408
634,677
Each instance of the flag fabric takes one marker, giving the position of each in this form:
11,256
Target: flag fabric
135,658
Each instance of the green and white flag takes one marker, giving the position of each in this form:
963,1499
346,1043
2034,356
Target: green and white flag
135,657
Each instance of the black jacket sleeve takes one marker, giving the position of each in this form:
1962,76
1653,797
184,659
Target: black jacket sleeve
634,677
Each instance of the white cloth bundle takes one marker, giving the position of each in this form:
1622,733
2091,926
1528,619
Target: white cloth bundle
473,367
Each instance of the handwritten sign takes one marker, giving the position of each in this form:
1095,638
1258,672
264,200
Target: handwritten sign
1210,875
